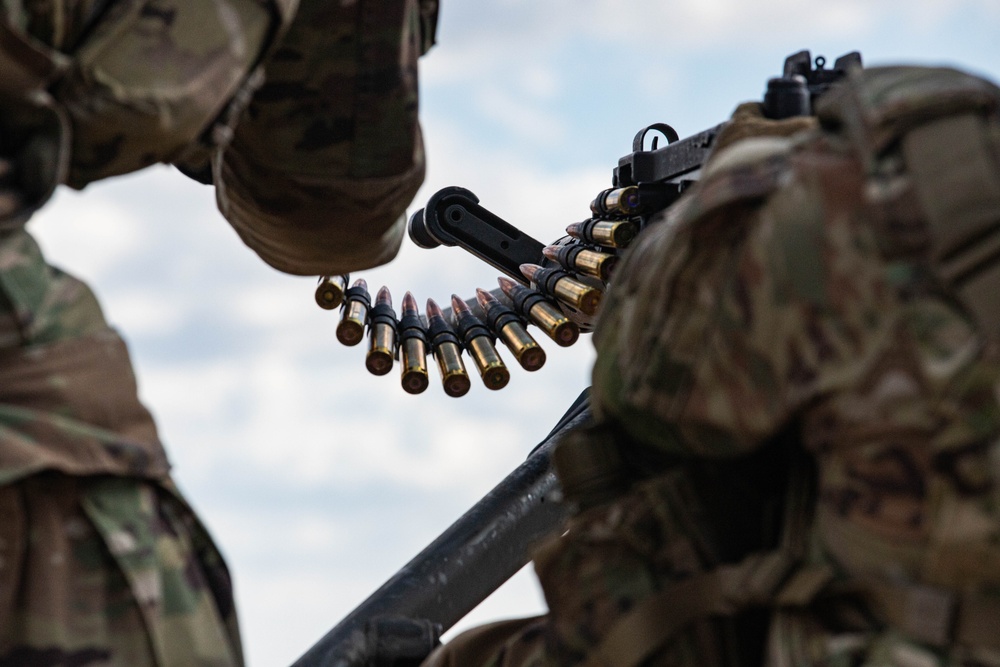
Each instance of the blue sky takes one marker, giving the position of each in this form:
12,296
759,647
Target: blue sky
319,480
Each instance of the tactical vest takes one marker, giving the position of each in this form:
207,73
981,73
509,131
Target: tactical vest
930,143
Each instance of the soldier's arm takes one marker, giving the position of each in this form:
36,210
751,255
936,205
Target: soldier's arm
329,154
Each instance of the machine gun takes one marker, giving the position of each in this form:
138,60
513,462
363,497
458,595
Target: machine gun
645,182
402,621
558,287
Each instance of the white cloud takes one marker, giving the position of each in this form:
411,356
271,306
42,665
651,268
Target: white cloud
87,233
520,117
143,312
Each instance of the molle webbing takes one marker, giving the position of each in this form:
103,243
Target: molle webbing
763,570
954,164
941,128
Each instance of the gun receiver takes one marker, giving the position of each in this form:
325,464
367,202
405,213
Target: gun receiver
656,176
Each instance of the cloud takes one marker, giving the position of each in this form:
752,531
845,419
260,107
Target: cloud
95,232
520,117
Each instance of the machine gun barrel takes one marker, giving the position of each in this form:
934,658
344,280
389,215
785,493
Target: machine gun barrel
458,570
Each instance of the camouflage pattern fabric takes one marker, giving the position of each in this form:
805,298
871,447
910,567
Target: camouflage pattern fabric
314,175
329,153
109,571
763,305
148,78
101,561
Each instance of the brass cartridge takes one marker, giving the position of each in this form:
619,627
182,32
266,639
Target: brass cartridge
446,348
608,233
413,344
616,202
479,343
330,291
561,285
509,328
357,303
536,308
577,257
382,335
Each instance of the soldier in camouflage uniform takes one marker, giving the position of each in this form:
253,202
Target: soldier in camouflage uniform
795,456
304,116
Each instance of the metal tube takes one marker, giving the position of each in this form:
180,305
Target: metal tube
467,562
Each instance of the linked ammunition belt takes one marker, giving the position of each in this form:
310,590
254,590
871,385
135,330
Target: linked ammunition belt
559,292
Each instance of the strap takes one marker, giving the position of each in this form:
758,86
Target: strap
953,163
759,580
958,184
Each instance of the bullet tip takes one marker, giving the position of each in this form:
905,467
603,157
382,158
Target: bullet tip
458,304
409,303
484,298
433,310
384,296
529,271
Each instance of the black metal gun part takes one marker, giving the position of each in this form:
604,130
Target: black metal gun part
453,217
403,619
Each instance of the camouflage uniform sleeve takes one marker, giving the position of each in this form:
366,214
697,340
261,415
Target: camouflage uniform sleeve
329,153
741,307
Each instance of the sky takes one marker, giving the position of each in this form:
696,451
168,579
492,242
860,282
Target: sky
319,480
